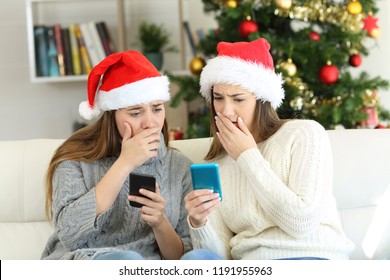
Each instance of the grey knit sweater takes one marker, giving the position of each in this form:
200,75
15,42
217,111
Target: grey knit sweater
79,234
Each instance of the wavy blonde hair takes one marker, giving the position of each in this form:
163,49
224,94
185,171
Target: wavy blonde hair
98,140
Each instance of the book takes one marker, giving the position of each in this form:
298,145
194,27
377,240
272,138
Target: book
76,62
60,48
91,48
52,53
200,34
41,51
67,51
96,40
187,29
105,37
85,60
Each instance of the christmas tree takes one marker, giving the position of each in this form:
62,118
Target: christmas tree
314,44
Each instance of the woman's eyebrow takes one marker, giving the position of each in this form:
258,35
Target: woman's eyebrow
134,108
231,95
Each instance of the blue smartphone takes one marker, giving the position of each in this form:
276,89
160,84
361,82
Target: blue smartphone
206,176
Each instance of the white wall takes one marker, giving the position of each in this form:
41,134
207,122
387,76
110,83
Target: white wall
30,110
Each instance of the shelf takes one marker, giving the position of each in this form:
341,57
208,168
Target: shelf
70,78
50,12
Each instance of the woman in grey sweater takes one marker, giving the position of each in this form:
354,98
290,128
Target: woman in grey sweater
87,188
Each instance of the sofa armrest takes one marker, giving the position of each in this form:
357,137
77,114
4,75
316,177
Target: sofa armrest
376,242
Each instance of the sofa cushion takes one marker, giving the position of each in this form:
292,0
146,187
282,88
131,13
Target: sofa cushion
23,241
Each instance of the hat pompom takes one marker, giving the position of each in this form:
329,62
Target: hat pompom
88,112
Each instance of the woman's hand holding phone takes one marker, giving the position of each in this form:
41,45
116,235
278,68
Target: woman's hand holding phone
206,195
153,210
149,200
199,205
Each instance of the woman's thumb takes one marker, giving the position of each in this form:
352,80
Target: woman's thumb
128,131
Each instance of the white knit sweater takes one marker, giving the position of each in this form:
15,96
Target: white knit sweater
277,200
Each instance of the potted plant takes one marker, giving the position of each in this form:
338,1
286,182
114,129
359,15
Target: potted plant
154,40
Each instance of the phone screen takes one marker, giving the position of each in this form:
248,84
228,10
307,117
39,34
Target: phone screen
206,176
141,181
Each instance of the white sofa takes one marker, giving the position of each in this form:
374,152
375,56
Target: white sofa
361,178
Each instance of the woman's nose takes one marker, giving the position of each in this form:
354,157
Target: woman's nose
228,110
148,121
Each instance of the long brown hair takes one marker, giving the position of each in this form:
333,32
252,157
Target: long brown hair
98,140
267,122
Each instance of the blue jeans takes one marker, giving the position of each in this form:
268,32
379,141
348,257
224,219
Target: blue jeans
200,254
302,258
119,255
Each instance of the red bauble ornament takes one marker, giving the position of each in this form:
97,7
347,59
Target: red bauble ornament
355,60
247,27
314,36
380,126
329,74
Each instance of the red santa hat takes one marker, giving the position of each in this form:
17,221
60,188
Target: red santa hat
246,64
128,79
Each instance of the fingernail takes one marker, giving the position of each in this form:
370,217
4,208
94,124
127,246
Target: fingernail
239,119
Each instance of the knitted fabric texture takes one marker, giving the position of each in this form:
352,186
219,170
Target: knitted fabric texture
79,234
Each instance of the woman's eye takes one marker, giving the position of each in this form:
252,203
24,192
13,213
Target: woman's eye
157,109
217,98
238,100
135,114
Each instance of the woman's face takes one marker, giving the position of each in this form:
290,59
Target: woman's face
140,117
234,101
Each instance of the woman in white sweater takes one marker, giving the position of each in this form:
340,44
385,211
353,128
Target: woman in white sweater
276,175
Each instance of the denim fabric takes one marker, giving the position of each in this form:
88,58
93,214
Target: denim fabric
303,258
200,254
119,255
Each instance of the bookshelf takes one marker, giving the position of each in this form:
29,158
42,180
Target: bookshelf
64,12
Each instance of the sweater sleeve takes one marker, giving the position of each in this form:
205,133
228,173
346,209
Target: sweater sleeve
74,206
295,205
214,236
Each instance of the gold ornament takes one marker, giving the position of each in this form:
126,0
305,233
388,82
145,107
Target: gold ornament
196,65
231,4
354,7
370,98
289,66
283,4
375,32
321,11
